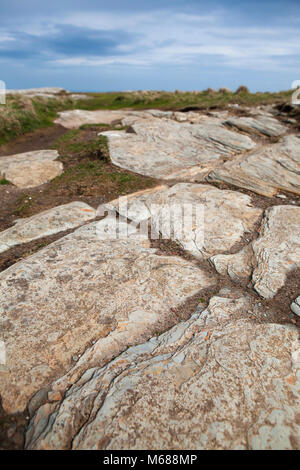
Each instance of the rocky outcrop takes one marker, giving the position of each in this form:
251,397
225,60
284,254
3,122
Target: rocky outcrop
46,223
162,148
271,257
260,124
237,266
100,341
215,219
277,250
38,91
77,117
265,171
216,381
30,169
79,290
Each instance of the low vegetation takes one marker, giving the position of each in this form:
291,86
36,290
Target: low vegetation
179,100
87,165
3,181
23,114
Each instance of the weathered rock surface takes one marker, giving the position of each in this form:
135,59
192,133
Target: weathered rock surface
261,124
138,206
216,381
266,170
48,93
161,148
223,218
271,257
77,117
277,250
46,223
38,91
237,266
30,169
187,117
295,306
79,289
158,113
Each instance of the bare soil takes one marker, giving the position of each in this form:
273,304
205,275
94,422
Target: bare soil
37,140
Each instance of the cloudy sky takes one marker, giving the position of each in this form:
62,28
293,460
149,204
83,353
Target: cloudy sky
97,45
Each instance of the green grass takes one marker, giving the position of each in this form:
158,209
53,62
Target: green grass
21,115
86,160
95,173
75,142
4,181
174,101
23,205
88,169
103,127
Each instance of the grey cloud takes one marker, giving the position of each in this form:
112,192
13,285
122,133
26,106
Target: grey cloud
66,41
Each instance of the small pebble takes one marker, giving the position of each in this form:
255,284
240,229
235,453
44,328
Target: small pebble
11,431
54,396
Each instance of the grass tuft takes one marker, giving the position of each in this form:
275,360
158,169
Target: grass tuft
4,181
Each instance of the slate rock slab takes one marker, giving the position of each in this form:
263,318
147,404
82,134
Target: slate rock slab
30,169
271,257
46,223
295,306
277,250
216,381
266,171
224,216
75,118
261,124
80,290
161,148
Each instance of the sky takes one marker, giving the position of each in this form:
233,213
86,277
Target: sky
96,45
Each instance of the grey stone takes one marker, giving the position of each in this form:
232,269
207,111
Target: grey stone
295,306
80,289
227,215
262,124
271,257
30,169
216,381
267,170
277,249
163,148
46,223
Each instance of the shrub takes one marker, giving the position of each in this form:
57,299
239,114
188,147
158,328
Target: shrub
224,90
242,89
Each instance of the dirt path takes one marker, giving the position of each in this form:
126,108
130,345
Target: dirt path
38,140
